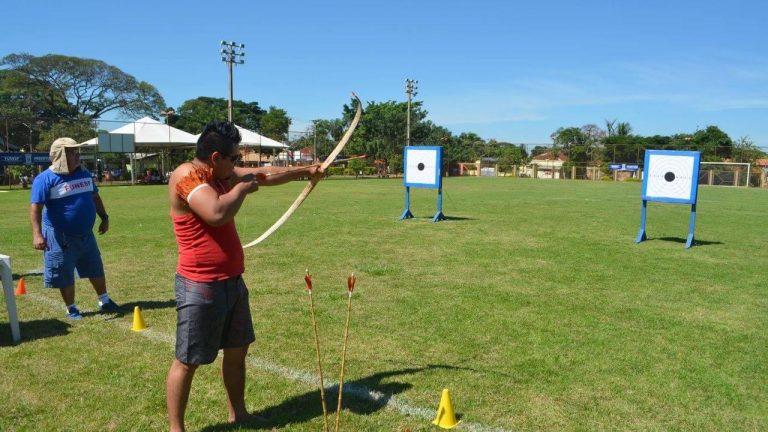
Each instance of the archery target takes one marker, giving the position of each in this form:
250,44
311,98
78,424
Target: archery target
671,176
422,166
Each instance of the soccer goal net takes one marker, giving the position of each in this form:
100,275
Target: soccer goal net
724,174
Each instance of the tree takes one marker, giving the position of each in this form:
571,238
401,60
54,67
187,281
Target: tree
745,150
381,132
79,129
275,124
440,136
91,87
714,144
623,129
194,114
322,135
22,106
471,146
510,155
620,148
580,144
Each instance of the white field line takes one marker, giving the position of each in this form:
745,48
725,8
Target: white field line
393,402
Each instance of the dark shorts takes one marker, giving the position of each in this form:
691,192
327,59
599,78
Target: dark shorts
67,253
211,316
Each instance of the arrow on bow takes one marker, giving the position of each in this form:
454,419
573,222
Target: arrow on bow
314,179
262,176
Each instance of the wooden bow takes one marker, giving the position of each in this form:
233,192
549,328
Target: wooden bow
314,179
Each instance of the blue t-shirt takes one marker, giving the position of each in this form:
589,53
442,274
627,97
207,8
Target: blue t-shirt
68,200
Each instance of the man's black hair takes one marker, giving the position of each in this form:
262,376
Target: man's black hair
219,136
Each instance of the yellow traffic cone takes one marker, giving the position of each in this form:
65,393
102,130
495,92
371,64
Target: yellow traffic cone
21,288
138,320
446,418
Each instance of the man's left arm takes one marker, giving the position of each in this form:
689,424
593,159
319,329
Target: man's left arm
104,225
272,176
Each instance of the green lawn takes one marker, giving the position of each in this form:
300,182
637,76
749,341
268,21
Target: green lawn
532,304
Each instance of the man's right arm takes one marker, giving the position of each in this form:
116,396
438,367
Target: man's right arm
206,203
217,210
35,218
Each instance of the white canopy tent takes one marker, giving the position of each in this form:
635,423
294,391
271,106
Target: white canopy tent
149,132
253,139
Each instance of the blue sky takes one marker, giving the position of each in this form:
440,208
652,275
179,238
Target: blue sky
509,70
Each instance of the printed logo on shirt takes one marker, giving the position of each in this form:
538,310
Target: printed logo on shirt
72,187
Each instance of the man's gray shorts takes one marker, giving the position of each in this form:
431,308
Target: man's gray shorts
211,316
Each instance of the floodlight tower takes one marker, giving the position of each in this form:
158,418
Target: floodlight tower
411,87
232,53
168,113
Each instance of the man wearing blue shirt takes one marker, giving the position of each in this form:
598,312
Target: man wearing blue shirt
65,201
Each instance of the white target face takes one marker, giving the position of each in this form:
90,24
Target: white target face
671,177
422,167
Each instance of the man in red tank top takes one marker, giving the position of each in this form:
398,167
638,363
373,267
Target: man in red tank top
211,298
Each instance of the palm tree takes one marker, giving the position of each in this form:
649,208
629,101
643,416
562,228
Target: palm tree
623,129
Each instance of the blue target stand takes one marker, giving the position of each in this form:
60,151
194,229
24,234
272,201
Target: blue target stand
670,176
422,170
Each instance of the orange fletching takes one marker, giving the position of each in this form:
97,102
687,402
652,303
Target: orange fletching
351,282
308,280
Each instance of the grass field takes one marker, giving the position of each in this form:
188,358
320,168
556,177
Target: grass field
531,304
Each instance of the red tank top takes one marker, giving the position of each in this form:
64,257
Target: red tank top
207,253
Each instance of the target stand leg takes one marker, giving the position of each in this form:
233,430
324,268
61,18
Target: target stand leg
407,212
439,215
641,233
691,227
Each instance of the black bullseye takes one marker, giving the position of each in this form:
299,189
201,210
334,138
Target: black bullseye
670,176
420,166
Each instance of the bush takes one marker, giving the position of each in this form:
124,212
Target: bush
335,171
356,165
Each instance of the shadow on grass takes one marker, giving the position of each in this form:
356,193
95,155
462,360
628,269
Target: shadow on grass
364,396
447,218
458,218
149,304
696,242
32,330
17,276
129,307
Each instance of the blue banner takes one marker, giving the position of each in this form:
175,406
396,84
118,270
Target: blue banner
623,167
24,159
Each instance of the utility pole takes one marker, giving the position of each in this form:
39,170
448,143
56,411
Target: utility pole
410,90
314,152
232,53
